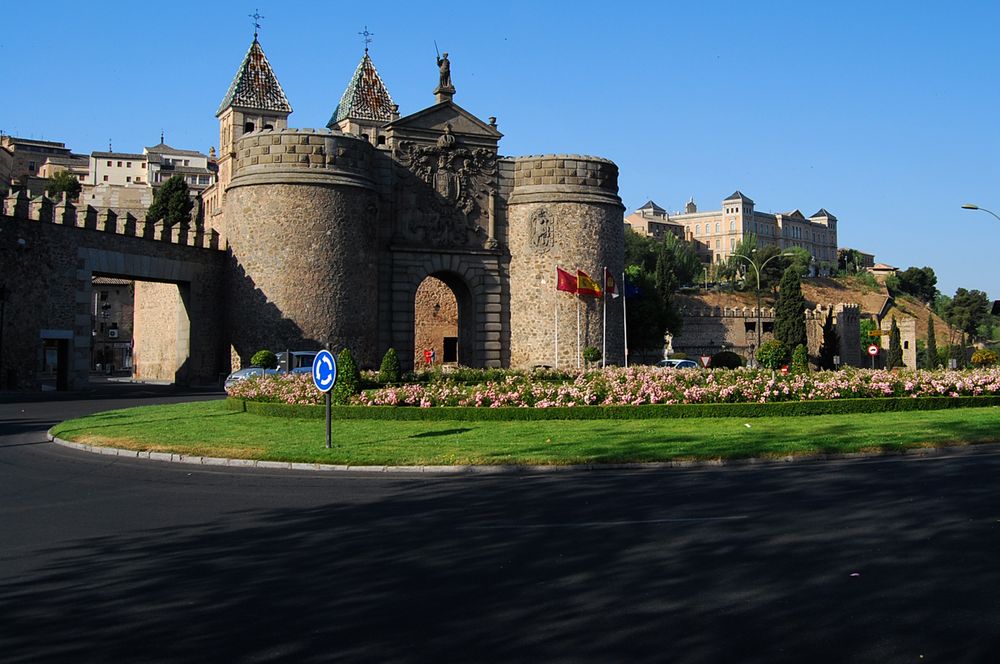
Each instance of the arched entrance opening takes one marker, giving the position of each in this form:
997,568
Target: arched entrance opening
442,322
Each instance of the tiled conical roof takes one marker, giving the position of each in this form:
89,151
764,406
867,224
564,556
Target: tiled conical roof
366,97
255,86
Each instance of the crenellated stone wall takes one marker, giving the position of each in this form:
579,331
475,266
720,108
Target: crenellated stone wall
707,331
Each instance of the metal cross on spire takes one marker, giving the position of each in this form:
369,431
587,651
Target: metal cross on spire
256,22
366,37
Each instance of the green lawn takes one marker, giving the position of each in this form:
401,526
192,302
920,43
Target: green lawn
209,429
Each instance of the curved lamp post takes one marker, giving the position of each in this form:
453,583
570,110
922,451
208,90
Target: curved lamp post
973,206
757,271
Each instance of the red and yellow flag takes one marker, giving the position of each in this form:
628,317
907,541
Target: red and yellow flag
585,285
565,281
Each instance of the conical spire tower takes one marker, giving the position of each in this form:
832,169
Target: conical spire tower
255,86
366,104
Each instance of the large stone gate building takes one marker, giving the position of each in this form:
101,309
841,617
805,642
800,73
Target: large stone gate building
332,231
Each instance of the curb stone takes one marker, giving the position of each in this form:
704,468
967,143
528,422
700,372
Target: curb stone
483,470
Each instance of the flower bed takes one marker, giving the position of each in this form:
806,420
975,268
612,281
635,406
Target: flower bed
617,386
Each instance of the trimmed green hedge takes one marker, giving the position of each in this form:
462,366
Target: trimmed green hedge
778,409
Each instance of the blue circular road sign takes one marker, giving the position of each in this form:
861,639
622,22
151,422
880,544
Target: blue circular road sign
324,371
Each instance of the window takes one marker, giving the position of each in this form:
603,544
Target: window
732,225
267,126
732,243
109,163
187,162
381,140
717,243
128,178
105,178
248,127
119,164
31,165
717,227
697,229
128,164
138,179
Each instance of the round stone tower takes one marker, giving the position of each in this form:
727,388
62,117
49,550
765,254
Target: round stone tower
300,214
564,211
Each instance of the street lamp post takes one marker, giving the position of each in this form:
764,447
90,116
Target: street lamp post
757,271
973,206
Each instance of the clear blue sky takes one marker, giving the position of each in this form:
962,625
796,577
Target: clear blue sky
884,113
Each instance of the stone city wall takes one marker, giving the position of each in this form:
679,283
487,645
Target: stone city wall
49,256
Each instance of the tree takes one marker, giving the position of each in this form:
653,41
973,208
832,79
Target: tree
771,354
894,356
63,181
968,309
931,353
830,347
849,261
920,282
865,328
265,359
789,316
799,258
172,203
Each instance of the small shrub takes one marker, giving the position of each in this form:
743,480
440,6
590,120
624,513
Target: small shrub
389,372
771,354
591,354
984,357
800,360
265,359
726,359
348,378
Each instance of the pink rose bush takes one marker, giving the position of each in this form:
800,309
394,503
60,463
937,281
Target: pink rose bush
616,386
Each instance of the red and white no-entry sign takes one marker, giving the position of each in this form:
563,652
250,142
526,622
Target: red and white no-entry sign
873,350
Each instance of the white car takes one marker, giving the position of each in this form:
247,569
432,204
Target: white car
677,364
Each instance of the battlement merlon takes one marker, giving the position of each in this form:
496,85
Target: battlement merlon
42,209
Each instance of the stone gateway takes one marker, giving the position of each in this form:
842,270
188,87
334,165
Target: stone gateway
331,232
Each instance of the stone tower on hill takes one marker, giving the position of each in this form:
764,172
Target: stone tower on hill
332,232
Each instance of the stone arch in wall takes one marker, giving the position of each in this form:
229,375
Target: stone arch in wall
473,280
442,312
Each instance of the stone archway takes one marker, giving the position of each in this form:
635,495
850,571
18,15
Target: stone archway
442,317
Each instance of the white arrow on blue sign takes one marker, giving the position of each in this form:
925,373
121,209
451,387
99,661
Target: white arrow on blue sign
324,371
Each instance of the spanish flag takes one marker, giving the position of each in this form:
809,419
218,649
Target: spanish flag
585,285
565,281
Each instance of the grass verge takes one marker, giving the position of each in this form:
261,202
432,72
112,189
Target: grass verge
213,429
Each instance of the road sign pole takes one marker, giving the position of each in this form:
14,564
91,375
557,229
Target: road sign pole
328,420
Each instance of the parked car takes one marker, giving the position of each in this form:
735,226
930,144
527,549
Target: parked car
302,361
242,374
677,364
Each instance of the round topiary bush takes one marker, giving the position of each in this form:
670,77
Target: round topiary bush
389,372
591,354
771,354
265,359
726,359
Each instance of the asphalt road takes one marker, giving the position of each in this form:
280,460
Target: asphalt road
104,559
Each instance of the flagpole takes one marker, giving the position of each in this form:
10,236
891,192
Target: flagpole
577,331
625,316
604,322
555,362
